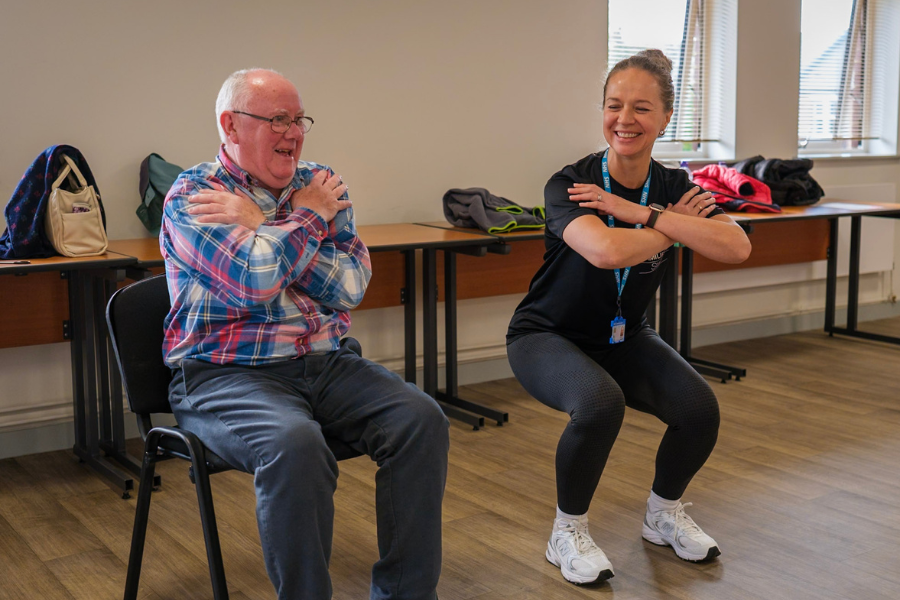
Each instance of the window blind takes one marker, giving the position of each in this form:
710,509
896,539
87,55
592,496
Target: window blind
691,33
842,49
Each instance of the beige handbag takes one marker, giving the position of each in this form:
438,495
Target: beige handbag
73,221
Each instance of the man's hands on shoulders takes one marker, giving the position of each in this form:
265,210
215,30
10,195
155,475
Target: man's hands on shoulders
219,205
322,196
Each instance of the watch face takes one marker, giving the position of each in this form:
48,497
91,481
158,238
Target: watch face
657,207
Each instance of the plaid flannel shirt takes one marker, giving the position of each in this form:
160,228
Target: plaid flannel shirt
254,297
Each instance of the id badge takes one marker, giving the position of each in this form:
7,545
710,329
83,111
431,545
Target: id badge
618,330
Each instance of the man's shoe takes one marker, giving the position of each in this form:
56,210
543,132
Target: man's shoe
679,531
572,549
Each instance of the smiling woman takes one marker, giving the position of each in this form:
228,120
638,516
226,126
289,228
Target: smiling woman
580,343
637,106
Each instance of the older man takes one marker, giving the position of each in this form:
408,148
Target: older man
264,264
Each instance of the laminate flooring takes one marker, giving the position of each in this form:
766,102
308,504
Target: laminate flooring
801,493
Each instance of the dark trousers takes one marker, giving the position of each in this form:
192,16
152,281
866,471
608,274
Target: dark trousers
644,373
272,421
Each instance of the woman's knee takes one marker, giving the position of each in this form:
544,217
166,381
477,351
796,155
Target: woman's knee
597,407
698,409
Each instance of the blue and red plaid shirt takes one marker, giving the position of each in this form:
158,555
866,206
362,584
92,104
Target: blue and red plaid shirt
254,297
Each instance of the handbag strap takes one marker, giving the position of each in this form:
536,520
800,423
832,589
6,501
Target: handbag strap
75,170
62,175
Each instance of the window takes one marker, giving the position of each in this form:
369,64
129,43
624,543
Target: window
848,77
699,38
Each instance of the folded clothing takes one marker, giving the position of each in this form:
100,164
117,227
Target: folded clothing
735,191
789,180
478,208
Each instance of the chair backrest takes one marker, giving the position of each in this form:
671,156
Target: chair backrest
135,316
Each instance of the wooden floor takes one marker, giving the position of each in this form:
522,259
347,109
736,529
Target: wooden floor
801,493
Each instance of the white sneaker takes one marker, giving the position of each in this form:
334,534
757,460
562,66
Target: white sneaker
679,531
572,549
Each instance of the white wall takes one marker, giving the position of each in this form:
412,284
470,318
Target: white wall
410,98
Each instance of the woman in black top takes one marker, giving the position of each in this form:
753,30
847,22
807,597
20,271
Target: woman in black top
579,342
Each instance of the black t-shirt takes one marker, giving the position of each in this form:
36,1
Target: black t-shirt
570,296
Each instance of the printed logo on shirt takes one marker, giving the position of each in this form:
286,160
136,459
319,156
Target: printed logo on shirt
654,262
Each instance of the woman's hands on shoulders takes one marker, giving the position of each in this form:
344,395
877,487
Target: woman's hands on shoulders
589,195
694,203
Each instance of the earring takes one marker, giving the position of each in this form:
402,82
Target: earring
662,133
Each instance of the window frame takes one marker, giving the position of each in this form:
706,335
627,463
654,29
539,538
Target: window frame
716,66
877,46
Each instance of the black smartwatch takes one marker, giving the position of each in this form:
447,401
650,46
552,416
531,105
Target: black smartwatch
655,211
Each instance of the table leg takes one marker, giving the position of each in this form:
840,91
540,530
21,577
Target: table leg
451,394
429,335
429,321
85,376
853,288
77,329
112,441
409,316
704,367
853,283
831,276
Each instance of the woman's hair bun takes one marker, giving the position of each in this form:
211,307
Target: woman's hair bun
656,63
658,58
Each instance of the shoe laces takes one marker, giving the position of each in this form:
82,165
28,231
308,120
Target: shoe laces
684,522
581,537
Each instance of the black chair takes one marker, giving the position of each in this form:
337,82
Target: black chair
135,317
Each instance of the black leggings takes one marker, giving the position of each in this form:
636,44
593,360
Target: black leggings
644,373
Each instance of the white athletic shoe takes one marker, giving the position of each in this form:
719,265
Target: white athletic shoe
572,549
679,531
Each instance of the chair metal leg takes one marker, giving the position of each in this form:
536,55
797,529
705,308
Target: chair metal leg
208,518
141,517
207,513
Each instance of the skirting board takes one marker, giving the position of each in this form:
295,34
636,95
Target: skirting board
476,366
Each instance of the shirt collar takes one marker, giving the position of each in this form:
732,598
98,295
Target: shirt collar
241,176
247,181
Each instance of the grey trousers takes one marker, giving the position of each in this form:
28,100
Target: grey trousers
272,421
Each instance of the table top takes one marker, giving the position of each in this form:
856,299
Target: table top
144,250
378,238
521,235
409,236
65,263
824,209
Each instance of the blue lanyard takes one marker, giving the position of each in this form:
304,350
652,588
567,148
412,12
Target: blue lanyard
621,279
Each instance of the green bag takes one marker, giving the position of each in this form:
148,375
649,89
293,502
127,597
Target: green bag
157,176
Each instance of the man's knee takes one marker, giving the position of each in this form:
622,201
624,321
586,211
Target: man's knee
419,423
299,445
427,419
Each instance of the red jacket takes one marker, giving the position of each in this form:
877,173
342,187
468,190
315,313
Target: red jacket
732,185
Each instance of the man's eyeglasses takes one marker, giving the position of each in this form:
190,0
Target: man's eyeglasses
281,123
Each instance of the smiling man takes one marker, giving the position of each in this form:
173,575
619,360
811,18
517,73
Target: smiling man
264,264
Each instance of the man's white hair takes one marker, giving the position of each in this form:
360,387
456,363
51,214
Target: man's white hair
235,94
